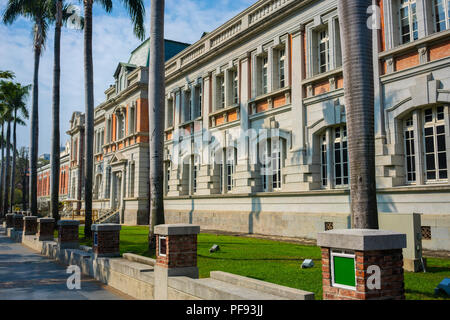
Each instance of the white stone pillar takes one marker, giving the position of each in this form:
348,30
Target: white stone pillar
298,125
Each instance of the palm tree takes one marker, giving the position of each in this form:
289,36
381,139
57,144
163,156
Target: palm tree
3,75
37,11
359,100
20,111
3,144
13,96
136,11
156,92
6,74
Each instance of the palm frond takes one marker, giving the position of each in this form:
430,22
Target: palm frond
136,11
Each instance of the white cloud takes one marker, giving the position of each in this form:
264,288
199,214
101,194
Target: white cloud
113,40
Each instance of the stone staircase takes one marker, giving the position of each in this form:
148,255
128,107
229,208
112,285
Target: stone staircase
111,216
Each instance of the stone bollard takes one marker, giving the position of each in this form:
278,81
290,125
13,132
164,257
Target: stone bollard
29,226
9,220
106,240
46,227
18,222
176,255
68,234
362,264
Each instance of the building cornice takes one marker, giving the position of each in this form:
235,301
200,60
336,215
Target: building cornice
249,22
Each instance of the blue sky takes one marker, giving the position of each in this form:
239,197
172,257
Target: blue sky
113,40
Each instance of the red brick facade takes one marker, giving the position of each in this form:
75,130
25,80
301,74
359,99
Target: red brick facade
181,251
391,265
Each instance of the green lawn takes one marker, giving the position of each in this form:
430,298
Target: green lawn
276,262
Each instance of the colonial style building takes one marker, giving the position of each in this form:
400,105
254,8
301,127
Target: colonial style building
256,136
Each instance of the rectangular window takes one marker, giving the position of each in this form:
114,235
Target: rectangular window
222,91
281,65
167,176
199,101
435,145
169,113
324,160
188,106
265,66
408,21
276,164
220,177
235,87
324,51
341,157
194,177
410,154
441,12
230,167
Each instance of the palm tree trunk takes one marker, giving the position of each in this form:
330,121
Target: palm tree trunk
55,160
2,172
359,100
89,122
156,92
34,130
7,165
13,167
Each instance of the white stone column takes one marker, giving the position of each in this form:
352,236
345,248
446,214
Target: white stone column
254,70
214,92
390,31
243,152
298,125
423,18
177,108
227,78
332,43
270,69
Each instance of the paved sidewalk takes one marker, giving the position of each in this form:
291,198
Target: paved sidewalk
26,275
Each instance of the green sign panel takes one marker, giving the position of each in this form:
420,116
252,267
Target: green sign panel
344,271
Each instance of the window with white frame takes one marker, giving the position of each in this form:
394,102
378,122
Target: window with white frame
324,160
235,86
408,21
324,51
341,176
168,165
194,170
435,145
220,91
198,101
272,162
334,165
226,169
230,168
432,143
281,68
120,125
187,106
410,152
264,74
441,14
